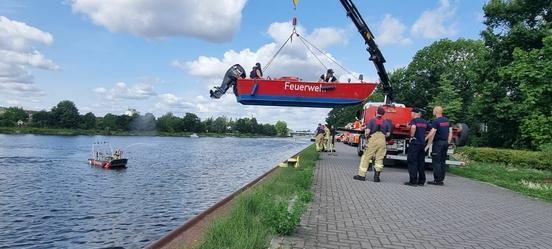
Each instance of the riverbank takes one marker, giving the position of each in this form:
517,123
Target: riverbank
77,132
269,208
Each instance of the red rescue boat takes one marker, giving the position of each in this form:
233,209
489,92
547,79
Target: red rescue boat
291,91
104,157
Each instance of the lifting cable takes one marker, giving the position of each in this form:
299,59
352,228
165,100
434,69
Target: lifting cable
326,54
277,52
307,44
310,50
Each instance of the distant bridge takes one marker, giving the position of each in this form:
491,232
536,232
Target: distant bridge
301,133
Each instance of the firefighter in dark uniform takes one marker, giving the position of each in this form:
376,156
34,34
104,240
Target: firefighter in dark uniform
416,149
376,132
257,72
440,136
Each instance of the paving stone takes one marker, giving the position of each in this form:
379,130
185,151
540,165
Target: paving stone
346,213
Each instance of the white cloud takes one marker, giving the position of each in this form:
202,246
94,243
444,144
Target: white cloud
18,56
391,32
20,89
436,23
294,59
122,91
12,102
212,20
32,59
19,36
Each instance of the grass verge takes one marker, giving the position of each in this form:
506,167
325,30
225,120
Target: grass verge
531,182
272,207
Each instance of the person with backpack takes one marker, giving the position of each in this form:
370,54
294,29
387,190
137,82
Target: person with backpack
376,132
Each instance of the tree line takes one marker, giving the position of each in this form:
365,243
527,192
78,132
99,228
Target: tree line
500,85
66,115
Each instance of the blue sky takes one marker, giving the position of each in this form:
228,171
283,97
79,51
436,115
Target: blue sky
163,55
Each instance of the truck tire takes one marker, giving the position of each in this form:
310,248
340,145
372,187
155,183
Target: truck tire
462,137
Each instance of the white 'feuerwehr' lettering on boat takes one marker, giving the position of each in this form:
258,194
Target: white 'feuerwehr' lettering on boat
303,87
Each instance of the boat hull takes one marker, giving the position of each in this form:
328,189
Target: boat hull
113,164
292,92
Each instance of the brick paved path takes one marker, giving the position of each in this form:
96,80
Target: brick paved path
346,213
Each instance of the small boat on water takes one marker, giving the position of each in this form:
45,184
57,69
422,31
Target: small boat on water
291,91
103,156
194,135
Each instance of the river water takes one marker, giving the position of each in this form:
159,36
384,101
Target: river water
51,198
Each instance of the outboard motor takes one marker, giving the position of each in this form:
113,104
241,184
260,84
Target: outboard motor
230,79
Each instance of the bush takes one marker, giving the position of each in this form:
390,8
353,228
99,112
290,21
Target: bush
541,160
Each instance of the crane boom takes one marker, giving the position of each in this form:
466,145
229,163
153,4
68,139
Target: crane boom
375,54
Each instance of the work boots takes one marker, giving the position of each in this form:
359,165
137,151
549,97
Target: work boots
377,176
360,178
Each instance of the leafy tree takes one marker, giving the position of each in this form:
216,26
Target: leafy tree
219,125
108,122
191,123
12,115
242,125
123,122
532,71
42,119
66,115
255,127
448,98
281,128
511,24
208,125
88,121
269,130
460,60
169,123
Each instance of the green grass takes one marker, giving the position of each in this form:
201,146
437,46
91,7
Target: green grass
273,207
531,182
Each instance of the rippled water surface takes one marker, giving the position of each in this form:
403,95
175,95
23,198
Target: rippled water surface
51,198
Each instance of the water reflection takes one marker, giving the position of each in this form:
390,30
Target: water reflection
50,197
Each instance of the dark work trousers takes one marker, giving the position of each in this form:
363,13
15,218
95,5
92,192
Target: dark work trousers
416,163
438,158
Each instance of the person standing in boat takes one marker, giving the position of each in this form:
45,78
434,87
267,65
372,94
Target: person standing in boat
328,76
257,72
